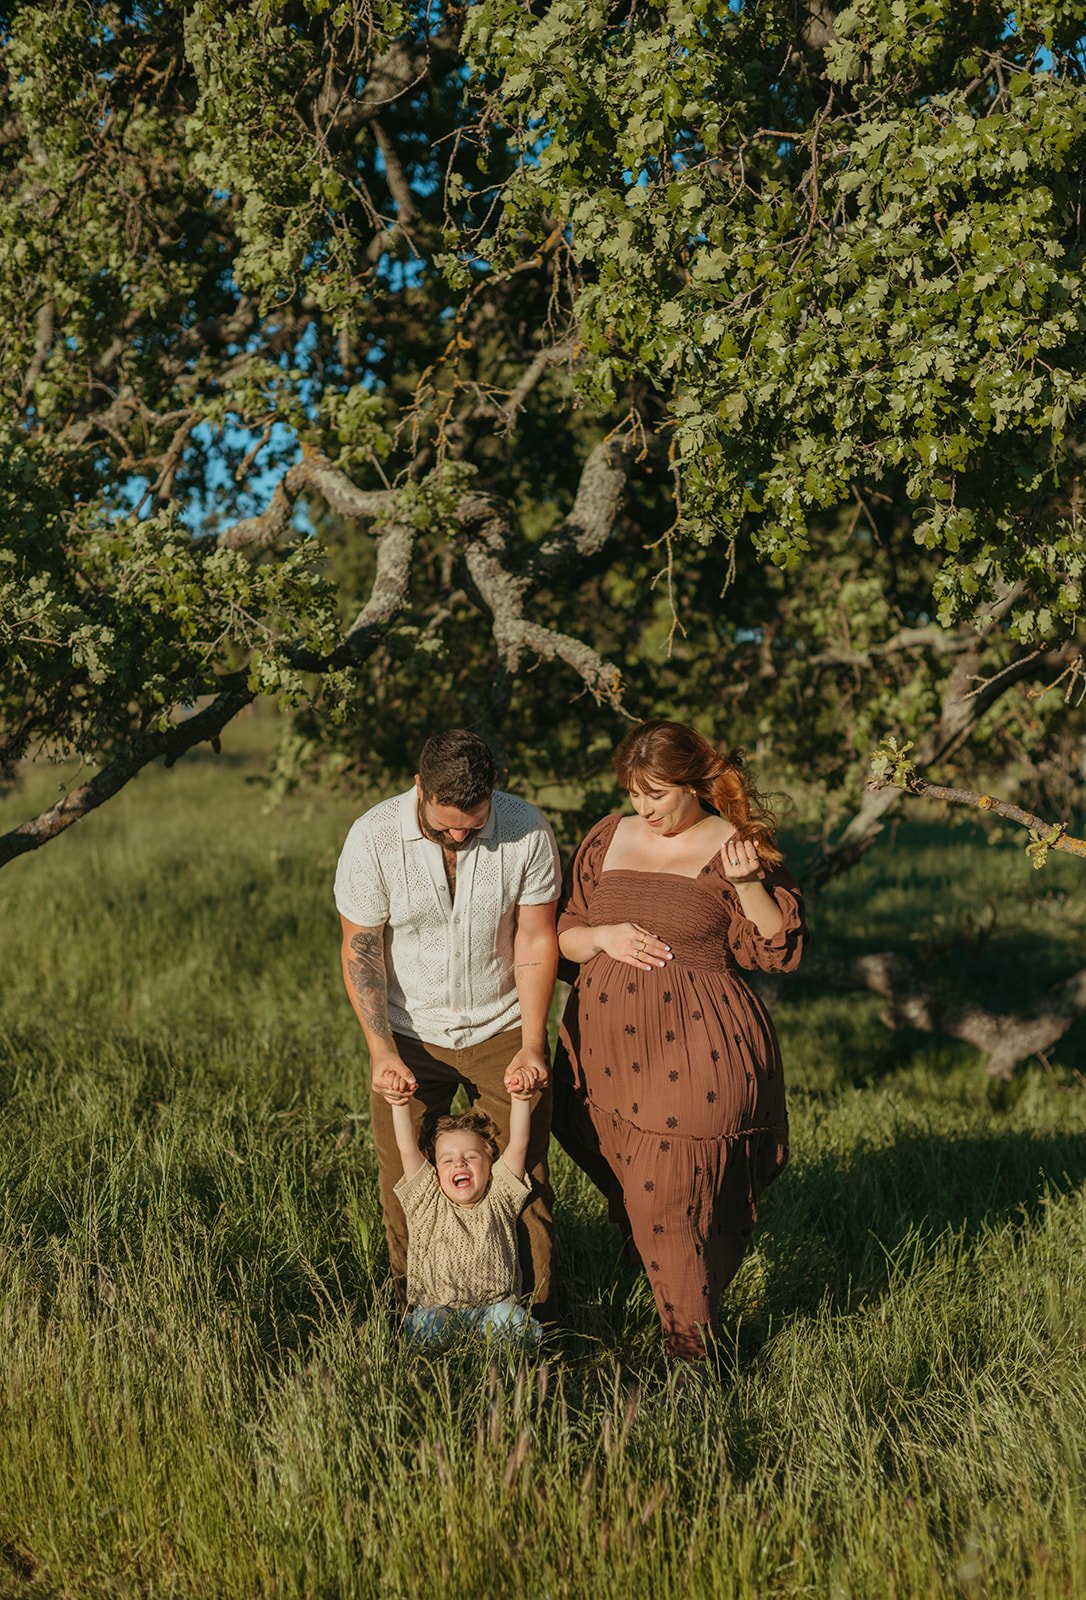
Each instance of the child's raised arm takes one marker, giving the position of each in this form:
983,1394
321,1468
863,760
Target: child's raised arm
397,1089
521,1085
411,1157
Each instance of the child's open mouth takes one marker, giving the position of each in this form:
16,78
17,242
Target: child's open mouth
462,1180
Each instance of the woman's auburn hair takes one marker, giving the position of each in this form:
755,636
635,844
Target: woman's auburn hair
674,755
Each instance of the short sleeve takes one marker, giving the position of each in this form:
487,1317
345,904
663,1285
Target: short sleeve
784,951
419,1193
508,1194
543,874
361,889
582,876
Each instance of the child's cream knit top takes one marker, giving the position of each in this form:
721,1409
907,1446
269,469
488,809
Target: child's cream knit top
462,1256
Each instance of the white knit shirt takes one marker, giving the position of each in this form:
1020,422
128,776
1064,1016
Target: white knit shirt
462,1256
449,963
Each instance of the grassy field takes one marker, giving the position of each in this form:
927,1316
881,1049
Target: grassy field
203,1392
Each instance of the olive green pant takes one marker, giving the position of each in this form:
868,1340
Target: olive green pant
480,1068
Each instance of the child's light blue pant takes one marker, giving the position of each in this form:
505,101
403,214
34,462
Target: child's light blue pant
505,1319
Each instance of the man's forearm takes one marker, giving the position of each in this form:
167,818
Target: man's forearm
535,967
366,981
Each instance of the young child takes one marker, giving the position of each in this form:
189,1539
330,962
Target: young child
462,1206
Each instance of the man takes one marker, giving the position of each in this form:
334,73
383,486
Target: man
447,899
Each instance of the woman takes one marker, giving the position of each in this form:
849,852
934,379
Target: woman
668,1083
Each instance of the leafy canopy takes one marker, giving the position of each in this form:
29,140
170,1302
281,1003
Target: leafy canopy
816,275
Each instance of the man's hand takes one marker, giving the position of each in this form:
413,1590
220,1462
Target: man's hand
523,1082
526,1073
391,1079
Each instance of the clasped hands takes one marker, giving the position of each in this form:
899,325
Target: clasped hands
397,1085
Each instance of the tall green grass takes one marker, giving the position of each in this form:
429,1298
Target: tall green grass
203,1391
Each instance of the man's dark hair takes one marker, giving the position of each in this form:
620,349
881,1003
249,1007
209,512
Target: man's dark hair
456,769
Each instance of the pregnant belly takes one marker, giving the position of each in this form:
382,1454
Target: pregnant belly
680,1050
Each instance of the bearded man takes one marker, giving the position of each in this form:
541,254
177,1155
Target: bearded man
447,898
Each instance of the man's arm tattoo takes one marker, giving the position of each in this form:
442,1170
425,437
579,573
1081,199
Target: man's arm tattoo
369,980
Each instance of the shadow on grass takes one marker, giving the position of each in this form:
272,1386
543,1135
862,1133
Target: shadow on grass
967,917
1009,972
837,1231
834,1231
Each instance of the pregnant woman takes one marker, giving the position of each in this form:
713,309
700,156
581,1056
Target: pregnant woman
668,1083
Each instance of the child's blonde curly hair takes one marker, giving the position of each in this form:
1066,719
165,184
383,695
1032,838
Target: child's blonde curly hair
466,1122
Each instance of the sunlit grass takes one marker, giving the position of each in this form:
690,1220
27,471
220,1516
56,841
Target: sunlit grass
203,1391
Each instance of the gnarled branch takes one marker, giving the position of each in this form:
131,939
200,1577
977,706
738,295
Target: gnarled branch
505,589
203,726
314,472
591,520
962,709
1004,1038
503,586
362,638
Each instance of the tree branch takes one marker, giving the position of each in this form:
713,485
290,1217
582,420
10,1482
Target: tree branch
591,521
202,726
962,709
505,593
338,492
394,552
515,635
552,356
273,524
43,344
1005,1038
387,594
395,177
316,473
940,641
1051,834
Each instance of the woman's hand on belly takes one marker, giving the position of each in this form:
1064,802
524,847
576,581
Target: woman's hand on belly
633,945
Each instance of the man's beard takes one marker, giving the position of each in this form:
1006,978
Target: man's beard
436,836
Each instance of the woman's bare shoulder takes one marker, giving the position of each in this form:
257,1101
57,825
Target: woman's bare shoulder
717,830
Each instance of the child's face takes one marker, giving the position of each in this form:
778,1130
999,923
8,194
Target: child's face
463,1167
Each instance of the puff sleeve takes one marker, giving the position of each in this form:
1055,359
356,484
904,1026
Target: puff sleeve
784,951
582,875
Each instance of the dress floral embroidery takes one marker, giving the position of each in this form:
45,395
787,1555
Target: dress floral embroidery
681,1125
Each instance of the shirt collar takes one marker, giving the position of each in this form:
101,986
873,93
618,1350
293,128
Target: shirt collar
409,817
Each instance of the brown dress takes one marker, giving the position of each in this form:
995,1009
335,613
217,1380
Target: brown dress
668,1084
